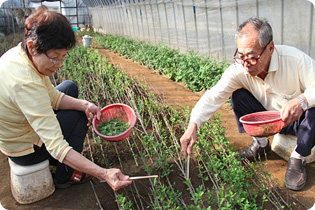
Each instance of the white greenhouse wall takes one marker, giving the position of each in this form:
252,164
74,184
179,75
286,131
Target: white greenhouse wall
206,26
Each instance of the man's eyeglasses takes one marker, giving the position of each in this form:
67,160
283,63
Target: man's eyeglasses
251,61
55,61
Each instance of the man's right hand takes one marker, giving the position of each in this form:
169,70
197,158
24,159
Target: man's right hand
189,138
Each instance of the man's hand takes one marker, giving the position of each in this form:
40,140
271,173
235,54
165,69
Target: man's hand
292,111
189,138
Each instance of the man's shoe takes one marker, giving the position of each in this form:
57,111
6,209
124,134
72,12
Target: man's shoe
253,151
295,176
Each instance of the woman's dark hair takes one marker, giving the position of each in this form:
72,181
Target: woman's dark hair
48,30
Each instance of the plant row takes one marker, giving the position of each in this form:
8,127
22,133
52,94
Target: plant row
9,41
218,180
196,71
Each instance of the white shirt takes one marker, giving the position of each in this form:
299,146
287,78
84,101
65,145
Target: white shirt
291,73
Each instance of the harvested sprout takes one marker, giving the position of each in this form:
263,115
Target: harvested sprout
113,127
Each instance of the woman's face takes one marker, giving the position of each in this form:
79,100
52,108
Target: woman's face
48,63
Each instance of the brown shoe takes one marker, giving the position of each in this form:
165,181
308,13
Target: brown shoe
295,176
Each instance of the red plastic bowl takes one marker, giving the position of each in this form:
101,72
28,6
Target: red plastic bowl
122,112
262,124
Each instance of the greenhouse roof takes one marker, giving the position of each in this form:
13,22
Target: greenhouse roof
22,3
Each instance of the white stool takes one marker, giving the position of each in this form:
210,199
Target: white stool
31,183
283,145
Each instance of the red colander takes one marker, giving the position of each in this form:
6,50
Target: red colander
122,112
262,124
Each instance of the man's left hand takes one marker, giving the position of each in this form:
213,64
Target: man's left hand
291,111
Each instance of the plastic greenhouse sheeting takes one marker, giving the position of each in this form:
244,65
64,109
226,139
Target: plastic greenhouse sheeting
205,26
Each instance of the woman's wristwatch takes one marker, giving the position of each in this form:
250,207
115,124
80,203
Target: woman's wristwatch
303,103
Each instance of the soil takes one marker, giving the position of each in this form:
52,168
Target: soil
83,197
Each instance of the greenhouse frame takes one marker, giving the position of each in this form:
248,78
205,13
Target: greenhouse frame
204,26
14,12
154,64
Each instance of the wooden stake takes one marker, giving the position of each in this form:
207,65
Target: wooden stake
138,177
143,177
187,168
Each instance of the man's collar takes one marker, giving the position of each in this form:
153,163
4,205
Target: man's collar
274,61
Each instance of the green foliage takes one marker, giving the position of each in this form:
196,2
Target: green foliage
123,202
9,41
223,182
165,197
112,127
231,178
198,72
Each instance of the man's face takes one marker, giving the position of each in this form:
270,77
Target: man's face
248,47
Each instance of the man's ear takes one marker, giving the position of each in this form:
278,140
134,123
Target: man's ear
271,47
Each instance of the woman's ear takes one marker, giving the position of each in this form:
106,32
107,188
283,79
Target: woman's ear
30,47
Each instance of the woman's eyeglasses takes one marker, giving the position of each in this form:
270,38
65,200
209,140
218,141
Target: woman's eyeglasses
251,61
55,61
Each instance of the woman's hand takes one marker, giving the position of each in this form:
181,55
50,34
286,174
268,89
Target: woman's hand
116,179
113,176
91,111
189,138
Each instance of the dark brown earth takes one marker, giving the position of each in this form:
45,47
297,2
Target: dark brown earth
82,196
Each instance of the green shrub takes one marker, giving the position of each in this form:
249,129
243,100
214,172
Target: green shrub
198,72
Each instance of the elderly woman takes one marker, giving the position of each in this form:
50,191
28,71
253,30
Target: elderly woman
38,121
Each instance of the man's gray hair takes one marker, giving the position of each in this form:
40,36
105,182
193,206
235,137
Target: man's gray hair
262,26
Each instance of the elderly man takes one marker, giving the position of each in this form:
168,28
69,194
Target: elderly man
264,77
